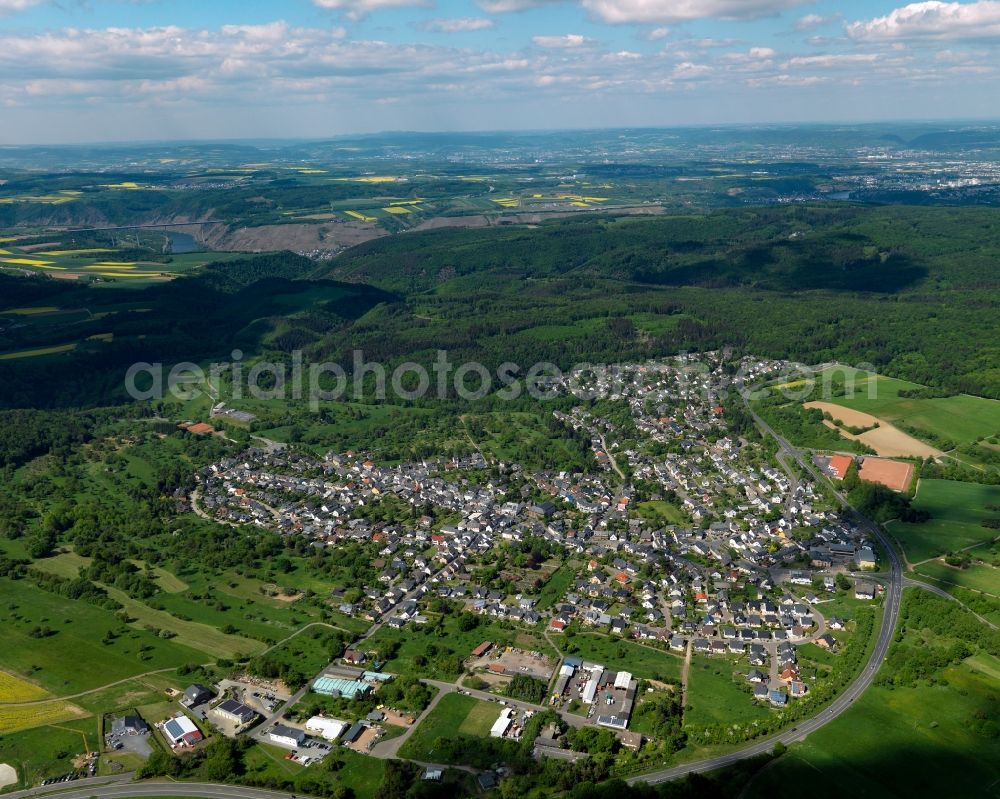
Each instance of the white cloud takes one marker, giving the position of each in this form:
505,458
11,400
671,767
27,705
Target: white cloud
509,6
569,41
458,25
933,19
658,33
811,21
13,6
686,70
356,9
832,60
667,11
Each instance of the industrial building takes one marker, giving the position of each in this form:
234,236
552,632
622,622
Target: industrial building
330,729
339,686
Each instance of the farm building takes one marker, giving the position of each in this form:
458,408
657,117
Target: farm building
337,686
330,729
354,732
482,649
181,731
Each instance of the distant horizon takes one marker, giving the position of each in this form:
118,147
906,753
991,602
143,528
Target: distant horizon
106,71
401,132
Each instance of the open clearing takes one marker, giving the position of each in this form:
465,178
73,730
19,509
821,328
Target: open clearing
979,576
956,512
8,775
886,439
961,418
198,636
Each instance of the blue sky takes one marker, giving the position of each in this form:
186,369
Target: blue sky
113,70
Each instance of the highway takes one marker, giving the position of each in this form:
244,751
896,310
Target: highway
893,595
121,788
116,788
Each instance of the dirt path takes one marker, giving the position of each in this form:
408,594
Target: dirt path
134,677
611,458
886,439
685,670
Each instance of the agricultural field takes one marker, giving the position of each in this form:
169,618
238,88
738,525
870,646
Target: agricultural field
961,419
99,265
48,751
956,512
14,689
14,718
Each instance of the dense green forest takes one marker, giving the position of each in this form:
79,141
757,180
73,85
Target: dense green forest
911,291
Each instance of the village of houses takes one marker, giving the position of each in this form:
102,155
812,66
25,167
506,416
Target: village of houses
746,576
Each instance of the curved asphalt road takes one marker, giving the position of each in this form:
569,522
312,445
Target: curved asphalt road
845,699
116,789
120,788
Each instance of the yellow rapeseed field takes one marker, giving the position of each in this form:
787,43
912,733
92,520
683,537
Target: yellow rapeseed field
10,356
31,311
14,689
26,261
362,217
14,718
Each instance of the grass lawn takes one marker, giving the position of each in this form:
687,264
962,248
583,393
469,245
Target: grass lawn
714,697
47,751
956,510
663,513
455,713
978,576
556,586
619,654
73,658
363,775
480,719
900,742
203,637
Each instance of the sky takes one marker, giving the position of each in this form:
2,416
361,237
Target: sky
74,71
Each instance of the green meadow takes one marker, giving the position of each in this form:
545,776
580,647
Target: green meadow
71,656
715,697
961,418
956,512
644,662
